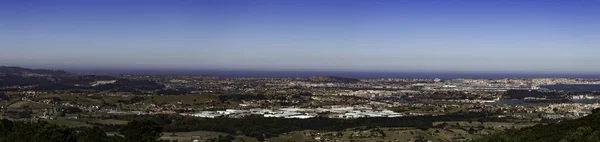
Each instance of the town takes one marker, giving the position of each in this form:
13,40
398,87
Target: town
106,100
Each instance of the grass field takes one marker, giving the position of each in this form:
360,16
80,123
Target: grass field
32,105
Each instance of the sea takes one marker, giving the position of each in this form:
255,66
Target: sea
349,74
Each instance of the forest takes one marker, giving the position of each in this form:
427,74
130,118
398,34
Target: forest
263,127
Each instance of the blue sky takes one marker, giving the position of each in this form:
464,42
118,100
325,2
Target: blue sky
349,35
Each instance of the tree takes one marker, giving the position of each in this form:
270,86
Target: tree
6,127
4,97
578,135
420,139
95,134
220,138
594,137
471,130
23,131
55,133
143,130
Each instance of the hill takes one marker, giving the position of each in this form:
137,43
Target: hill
585,129
333,79
17,78
4,70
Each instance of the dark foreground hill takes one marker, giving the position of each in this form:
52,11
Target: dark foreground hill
586,129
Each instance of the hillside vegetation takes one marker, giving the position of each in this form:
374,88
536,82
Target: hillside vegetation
586,129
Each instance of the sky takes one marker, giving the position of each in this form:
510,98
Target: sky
346,35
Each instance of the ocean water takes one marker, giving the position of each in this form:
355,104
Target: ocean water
349,74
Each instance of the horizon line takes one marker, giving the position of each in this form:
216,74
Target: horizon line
113,69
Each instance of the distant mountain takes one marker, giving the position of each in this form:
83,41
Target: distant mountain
333,79
4,70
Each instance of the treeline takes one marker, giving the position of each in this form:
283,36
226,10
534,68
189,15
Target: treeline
262,127
142,130
521,94
586,129
246,97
